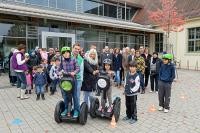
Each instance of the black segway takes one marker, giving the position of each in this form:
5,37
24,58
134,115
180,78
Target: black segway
103,84
66,84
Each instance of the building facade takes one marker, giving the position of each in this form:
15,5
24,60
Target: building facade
185,44
57,23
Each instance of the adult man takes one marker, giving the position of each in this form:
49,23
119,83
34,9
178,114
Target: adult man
79,77
147,59
19,65
106,55
140,69
131,57
125,60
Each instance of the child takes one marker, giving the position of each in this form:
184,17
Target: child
166,77
69,66
40,81
53,75
29,82
107,67
45,66
132,85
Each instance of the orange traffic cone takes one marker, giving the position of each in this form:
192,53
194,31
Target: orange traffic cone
113,122
183,96
152,108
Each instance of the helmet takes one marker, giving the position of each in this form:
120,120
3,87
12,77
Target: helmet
107,61
167,56
64,49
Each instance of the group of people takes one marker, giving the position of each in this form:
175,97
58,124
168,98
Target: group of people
128,68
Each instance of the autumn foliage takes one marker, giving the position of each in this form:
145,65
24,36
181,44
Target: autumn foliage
168,17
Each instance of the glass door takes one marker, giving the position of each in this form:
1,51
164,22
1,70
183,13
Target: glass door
57,40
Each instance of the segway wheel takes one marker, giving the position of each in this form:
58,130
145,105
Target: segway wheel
94,105
60,106
83,113
117,108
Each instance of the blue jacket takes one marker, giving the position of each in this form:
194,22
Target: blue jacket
40,79
167,72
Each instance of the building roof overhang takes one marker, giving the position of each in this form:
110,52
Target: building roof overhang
72,17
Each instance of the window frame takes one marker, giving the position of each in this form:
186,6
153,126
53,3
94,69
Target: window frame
192,49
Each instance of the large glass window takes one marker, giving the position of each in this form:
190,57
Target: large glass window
110,11
90,7
159,42
66,4
38,2
10,29
194,39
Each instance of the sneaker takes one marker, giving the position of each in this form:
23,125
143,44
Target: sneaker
160,108
75,114
100,108
64,112
29,92
156,92
132,121
109,109
166,110
125,118
151,91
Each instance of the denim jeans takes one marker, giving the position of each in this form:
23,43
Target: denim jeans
75,97
117,76
54,84
39,89
87,96
79,85
21,80
66,97
141,80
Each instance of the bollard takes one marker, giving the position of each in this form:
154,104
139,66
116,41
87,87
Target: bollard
188,64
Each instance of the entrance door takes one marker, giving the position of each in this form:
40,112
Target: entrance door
57,40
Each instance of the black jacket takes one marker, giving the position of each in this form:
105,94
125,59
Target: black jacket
147,61
117,62
89,82
33,61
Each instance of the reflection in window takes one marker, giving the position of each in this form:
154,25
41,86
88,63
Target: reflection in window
38,2
110,11
90,7
66,4
18,30
52,3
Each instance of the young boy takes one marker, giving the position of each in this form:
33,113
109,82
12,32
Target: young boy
132,85
40,81
166,77
53,74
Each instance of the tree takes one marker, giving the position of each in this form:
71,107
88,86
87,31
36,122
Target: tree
168,19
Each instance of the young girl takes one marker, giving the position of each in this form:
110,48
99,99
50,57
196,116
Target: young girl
107,68
29,82
40,81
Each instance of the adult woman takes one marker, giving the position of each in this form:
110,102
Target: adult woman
117,65
90,72
19,65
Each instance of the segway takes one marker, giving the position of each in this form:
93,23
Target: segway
66,84
103,84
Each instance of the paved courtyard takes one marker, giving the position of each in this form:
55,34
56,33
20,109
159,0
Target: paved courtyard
29,116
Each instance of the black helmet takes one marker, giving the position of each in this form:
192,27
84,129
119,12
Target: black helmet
107,61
